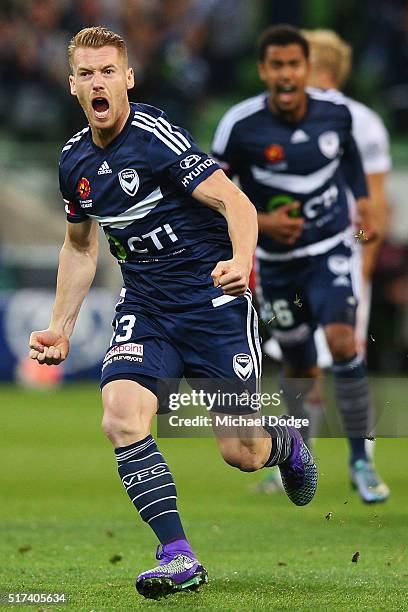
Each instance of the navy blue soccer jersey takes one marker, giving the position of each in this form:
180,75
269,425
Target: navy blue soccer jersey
139,190
314,161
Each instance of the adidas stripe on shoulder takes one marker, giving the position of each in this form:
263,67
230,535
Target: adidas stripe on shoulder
163,130
236,113
75,138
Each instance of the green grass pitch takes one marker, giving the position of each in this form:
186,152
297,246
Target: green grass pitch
65,516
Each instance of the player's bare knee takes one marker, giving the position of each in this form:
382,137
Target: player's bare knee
341,341
128,411
120,429
232,460
242,462
253,454
229,450
242,457
250,462
122,423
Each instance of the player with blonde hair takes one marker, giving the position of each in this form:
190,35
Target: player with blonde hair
330,58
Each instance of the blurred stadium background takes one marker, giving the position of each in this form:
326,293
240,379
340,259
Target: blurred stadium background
194,58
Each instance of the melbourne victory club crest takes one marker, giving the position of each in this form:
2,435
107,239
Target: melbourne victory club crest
329,144
243,366
338,264
83,188
129,181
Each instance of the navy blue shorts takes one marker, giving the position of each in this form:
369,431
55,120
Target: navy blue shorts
299,295
219,342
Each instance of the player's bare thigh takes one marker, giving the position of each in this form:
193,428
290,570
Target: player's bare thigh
247,448
128,411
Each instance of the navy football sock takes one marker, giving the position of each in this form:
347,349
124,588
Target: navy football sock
281,444
353,399
150,485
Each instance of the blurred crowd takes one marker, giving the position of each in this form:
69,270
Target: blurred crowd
184,51
178,48
385,56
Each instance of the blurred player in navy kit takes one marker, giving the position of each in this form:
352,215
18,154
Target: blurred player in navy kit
294,154
330,59
174,221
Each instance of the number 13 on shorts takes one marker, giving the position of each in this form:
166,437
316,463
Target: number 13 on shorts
123,329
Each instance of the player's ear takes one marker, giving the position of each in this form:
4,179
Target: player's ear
261,71
72,85
130,78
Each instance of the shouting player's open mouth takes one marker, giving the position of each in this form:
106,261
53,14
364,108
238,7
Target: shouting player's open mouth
101,107
286,93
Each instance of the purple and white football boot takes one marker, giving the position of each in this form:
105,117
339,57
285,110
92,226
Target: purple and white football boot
177,571
299,472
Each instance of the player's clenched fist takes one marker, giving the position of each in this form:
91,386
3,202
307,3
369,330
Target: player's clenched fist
48,347
232,276
283,224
